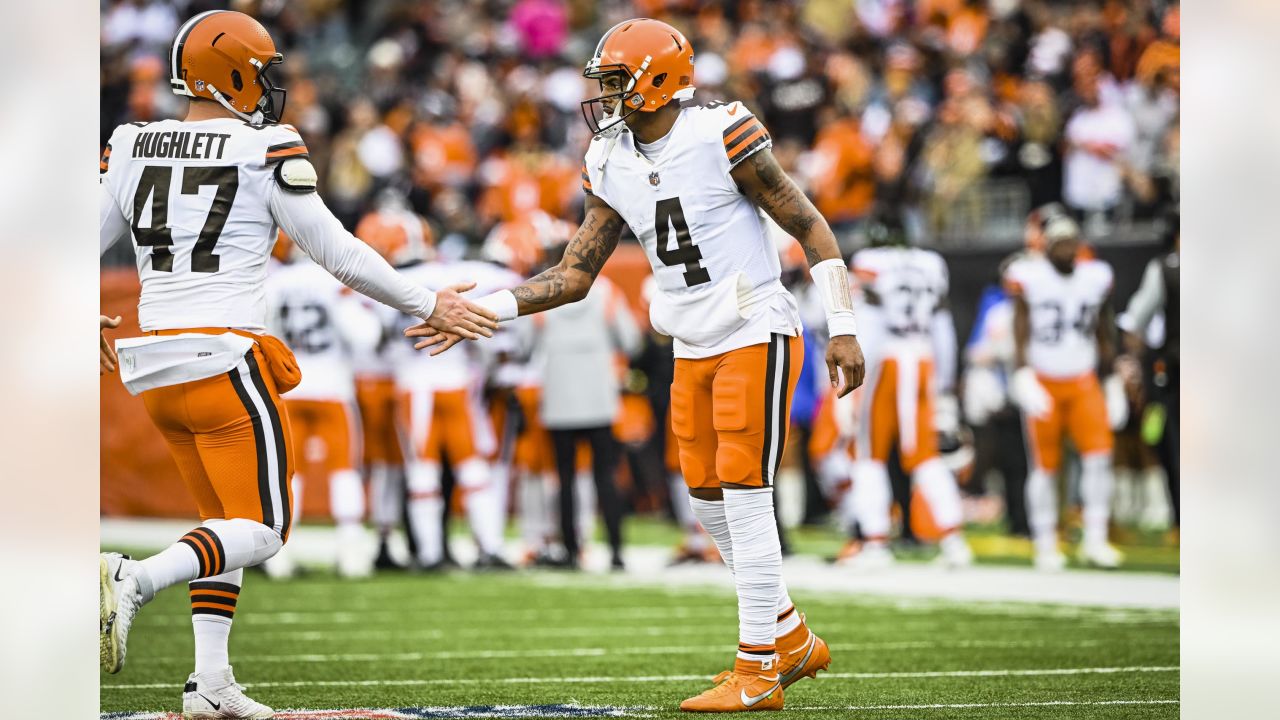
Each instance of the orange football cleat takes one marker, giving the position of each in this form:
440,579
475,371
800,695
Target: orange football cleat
751,685
801,654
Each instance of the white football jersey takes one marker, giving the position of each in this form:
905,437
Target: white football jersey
195,195
323,322
716,266
1064,313
911,284
463,365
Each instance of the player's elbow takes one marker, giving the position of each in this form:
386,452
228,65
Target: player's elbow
576,285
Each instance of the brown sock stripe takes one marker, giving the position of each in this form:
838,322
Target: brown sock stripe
757,649
215,549
202,555
787,613
214,608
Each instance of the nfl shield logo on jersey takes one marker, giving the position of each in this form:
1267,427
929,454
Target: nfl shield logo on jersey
654,179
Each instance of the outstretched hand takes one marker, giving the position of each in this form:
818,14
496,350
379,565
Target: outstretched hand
844,357
107,359
454,319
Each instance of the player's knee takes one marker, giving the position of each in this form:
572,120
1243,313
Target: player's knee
695,473
473,474
423,478
247,542
738,464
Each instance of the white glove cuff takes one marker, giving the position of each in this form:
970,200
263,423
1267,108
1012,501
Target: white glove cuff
502,303
832,279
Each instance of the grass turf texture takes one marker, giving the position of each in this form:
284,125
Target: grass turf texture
536,638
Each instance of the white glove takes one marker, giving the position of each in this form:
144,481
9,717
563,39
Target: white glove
1027,393
1117,401
946,414
983,394
845,411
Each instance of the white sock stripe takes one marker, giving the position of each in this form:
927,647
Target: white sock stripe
780,403
279,504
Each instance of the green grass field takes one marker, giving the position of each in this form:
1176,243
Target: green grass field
460,639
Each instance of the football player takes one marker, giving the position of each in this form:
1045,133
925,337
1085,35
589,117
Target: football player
908,399
202,199
1063,332
442,418
692,181
323,323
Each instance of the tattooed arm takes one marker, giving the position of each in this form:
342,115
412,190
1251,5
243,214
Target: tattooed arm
763,181
760,178
587,252
565,283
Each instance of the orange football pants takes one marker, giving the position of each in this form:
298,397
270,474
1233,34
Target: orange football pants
452,431
323,436
730,412
229,435
1079,412
884,421
376,399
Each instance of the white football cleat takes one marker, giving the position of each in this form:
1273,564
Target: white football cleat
119,597
873,557
1100,554
1050,561
956,553
217,695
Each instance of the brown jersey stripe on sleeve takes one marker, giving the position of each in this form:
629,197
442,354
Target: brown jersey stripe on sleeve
735,141
278,155
106,158
734,128
748,146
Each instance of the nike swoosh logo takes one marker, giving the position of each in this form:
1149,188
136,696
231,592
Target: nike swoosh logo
216,706
733,110
751,701
118,569
800,666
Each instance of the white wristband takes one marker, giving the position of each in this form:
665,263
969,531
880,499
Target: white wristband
502,303
832,279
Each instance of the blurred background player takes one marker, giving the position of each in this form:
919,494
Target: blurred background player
209,376
325,325
1064,334
442,417
1151,336
909,397
402,237
576,348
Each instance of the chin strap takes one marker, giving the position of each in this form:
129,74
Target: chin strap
222,100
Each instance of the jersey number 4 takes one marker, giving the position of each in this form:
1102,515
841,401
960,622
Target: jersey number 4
154,185
670,214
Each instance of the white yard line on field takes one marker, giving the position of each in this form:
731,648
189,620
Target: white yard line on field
592,680
967,706
601,652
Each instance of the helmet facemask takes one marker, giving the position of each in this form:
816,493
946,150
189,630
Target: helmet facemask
605,122
271,104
